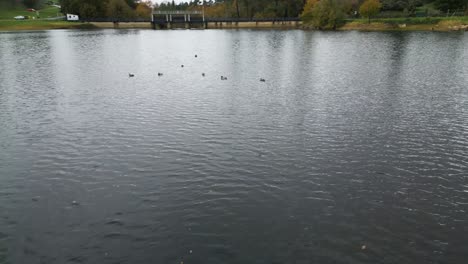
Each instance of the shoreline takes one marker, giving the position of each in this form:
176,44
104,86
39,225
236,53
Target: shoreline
408,24
397,24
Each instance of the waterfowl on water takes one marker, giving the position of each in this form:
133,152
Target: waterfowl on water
196,56
262,80
182,66
203,74
223,78
131,75
160,74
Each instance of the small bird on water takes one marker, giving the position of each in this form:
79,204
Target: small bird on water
182,65
262,80
131,75
160,74
223,78
196,56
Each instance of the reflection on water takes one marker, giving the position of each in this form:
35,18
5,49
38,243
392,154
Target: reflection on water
354,139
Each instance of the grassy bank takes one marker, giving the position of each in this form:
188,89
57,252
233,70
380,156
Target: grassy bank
408,24
46,12
13,25
8,23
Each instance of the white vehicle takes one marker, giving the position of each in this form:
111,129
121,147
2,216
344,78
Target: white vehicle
71,17
19,17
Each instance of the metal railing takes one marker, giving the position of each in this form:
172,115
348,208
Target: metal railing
177,12
116,19
234,19
226,19
161,20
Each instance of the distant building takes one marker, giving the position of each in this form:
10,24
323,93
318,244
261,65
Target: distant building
71,17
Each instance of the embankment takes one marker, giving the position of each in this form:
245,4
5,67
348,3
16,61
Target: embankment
385,24
18,25
408,24
252,25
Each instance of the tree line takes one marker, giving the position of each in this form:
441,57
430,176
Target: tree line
213,8
294,8
328,14
116,9
22,3
329,10
241,8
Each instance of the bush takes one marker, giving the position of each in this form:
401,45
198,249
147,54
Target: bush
369,8
324,14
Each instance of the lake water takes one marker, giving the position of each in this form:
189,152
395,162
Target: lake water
354,150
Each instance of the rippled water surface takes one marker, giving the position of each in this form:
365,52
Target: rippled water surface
355,139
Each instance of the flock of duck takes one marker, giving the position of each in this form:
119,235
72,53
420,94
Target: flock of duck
223,78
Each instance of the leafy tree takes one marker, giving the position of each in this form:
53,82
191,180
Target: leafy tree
118,9
33,3
236,4
85,8
370,8
452,5
8,3
87,11
131,3
307,13
241,8
143,10
323,14
349,6
409,6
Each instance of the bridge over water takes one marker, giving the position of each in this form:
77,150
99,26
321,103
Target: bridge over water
197,19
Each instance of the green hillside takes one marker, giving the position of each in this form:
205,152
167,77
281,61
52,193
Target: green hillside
46,12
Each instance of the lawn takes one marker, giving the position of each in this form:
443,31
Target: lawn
41,25
46,12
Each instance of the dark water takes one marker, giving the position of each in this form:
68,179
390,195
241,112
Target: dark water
354,139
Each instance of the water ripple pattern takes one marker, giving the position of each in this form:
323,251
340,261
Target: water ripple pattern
353,150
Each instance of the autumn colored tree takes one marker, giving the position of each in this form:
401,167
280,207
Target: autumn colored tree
217,10
322,14
240,8
370,8
307,15
143,10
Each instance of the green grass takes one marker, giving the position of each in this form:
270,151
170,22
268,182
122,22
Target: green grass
46,12
49,11
41,25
